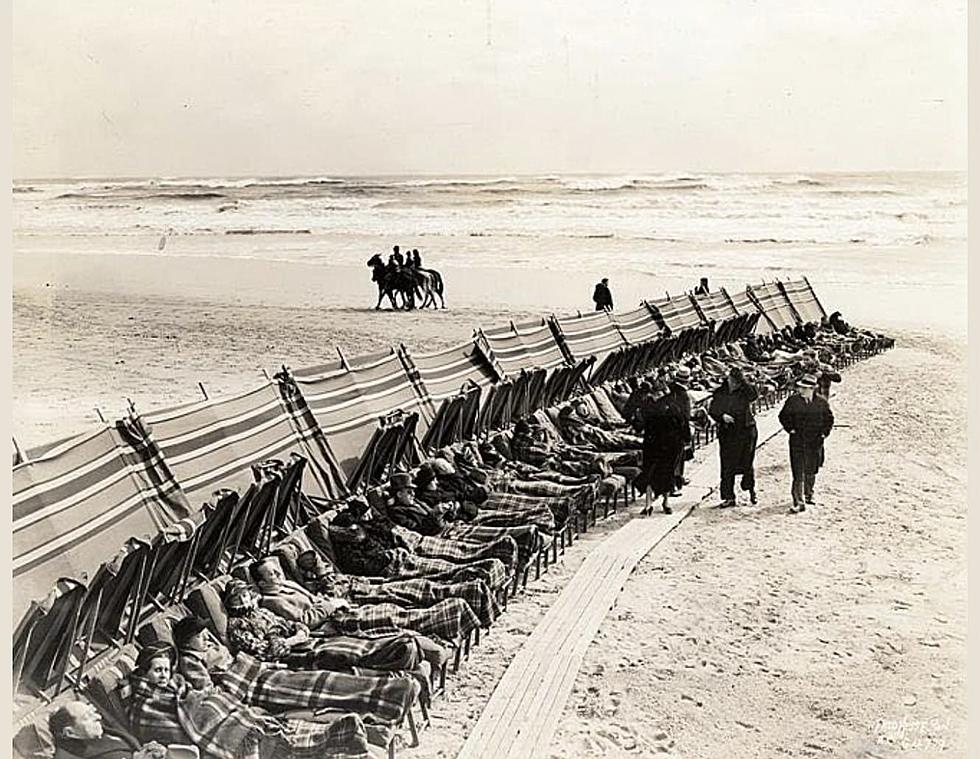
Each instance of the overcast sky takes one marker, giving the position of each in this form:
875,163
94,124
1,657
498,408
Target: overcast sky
228,87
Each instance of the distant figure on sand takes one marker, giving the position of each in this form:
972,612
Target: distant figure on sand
808,420
702,289
603,296
731,410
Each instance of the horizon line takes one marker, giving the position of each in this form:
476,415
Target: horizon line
530,175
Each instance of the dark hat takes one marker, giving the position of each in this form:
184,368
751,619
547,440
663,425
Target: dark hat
187,628
155,651
807,380
424,476
400,481
522,427
682,375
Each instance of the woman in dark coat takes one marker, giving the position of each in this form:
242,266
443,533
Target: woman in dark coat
731,409
663,445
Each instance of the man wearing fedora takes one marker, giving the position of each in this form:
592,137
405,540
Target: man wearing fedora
808,419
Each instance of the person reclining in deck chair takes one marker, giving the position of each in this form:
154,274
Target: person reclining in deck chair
371,548
204,662
164,707
317,576
579,432
451,619
78,733
271,638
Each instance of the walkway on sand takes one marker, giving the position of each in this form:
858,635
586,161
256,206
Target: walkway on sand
522,714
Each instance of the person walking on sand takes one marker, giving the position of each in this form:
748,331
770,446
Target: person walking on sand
603,296
731,409
702,288
663,444
808,419
679,397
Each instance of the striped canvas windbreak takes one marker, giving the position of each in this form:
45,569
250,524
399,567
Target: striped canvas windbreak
637,326
715,306
804,300
744,305
774,304
593,334
444,373
78,505
678,313
528,345
347,402
212,444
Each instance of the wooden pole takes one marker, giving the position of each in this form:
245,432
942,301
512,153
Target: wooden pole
99,412
204,391
21,456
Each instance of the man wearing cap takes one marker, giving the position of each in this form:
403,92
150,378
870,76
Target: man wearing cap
678,397
731,409
408,511
808,420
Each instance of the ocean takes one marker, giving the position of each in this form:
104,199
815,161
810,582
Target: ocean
850,231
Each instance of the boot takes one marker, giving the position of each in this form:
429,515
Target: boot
752,497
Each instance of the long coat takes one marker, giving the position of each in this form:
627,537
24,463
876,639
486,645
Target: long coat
808,424
737,440
665,433
602,297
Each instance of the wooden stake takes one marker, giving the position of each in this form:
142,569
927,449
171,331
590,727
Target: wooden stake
204,392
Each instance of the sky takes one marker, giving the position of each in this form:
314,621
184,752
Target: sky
235,88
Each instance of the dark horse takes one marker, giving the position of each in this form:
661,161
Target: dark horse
397,282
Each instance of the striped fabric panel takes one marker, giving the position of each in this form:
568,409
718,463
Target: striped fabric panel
213,444
444,372
715,306
508,349
744,305
637,326
775,305
678,313
805,301
539,342
348,404
592,334
73,509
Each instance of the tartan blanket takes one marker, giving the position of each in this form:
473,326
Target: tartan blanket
277,689
425,593
449,620
405,566
526,537
220,726
533,507
456,551
581,496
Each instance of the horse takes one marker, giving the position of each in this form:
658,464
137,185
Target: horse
392,283
430,283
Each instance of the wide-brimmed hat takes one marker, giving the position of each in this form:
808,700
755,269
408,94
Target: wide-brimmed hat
682,375
400,481
807,380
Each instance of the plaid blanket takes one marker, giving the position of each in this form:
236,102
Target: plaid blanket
450,620
278,689
425,593
405,566
502,548
526,537
538,510
220,726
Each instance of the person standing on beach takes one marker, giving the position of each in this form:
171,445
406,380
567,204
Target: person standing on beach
808,419
603,296
682,401
702,288
731,409
663,445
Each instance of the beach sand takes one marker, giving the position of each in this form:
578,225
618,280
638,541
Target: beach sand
746,633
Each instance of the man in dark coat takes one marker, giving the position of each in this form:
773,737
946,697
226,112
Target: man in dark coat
808,420
682,401
78,734
702,288
731,410
603,296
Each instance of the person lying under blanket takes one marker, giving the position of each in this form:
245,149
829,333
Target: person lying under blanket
271,638
205,663
164,707
449,620
317,576
368,547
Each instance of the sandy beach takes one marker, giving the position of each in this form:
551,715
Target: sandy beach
840,632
